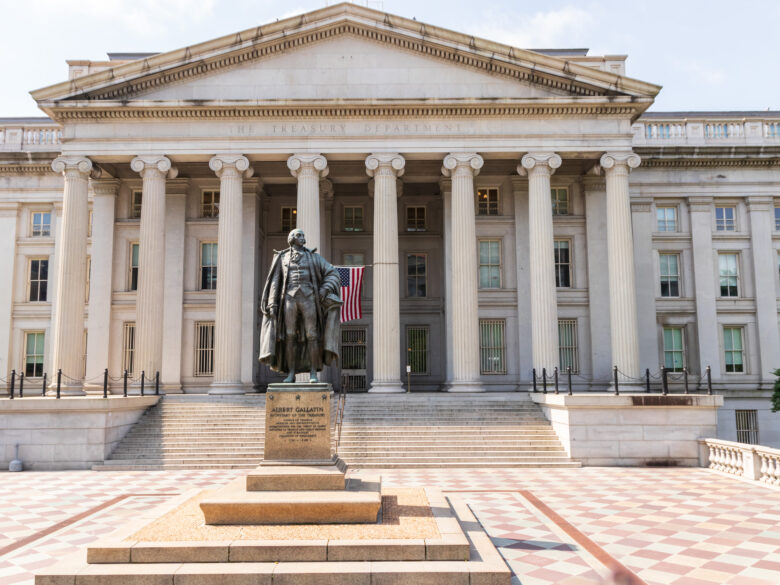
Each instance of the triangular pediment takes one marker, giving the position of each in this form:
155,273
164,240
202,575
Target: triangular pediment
344,52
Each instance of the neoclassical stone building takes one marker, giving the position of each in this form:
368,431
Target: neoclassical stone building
515,210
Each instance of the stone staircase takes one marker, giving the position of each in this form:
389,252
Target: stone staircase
379,430
448,430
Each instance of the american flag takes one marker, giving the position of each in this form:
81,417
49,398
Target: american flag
351,283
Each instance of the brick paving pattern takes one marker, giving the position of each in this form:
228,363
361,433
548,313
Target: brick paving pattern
665,526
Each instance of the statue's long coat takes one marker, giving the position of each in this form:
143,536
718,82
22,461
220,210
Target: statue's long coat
325,277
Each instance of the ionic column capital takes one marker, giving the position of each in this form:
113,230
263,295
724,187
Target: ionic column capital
231,165
385,163
445,185
105,187
459,163
154,164
545,162
611,161
326,190
308,164
75,165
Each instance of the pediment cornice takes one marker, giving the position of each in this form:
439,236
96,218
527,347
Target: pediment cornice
131,80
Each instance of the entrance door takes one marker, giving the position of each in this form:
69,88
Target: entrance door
353,359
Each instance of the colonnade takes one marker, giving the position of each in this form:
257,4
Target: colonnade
459,170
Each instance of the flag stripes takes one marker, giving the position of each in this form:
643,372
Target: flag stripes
351,284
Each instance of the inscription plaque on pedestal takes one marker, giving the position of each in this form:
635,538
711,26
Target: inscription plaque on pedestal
298,422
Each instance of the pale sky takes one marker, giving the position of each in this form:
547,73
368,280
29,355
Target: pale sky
708,55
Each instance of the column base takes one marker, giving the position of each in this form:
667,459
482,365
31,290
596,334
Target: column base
463,387
393,387
225,388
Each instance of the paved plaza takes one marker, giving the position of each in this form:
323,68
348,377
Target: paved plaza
572,526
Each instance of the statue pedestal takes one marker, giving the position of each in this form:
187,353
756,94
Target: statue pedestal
300,481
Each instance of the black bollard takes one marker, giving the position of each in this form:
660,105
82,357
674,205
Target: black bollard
105,383
59,382
647,380
13,384
568,371
544,380
555,375
709,381
43,388
143,379
665,381
124,384
685,377
617,388
21,385
157,384
534,375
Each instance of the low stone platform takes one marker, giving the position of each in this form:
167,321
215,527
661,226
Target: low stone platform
423,538
295,477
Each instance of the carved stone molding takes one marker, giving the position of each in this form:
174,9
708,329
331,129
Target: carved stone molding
613,160
308,163
539,161
326,190
78,165
385,163
462,162
156,164
231,163
105,187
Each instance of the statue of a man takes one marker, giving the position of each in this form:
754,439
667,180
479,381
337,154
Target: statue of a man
301,306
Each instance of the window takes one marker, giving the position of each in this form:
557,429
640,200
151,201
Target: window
415,219
732,344
39,277
416,275
567,345
492,352
33,354
724,219
777,219
417,349
133,276
667,219
487,201
136,197
560,201
353,219
562,264
673,349
490,264
208,266
729,276
354,259
41,224
128,347
204,349
289,216
209,204
670,274
747,426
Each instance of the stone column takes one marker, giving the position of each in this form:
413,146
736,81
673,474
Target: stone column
385,168
8,220
309,169
252,280
700,211
71,274
760,210
620,254
462,168
445,186
154,170
643,225
231,170
104,194
544,304
524,355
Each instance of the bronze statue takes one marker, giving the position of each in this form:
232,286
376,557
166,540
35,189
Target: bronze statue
301,306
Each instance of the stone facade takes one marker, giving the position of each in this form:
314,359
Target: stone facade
456,169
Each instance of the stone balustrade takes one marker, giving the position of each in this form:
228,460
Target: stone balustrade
23,136
686,130
753,462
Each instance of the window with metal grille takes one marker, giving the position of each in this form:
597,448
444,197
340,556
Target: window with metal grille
353,218
39,279
128,347
136,198
490,264
289,219
487,201
733,347
209,204
41,224
33,354
725,219
492,350
560,201
415,219
747,426
666,218
674,352
133,275
567,345
353,359
208,266
562,263
417,349
204,349
670,274
729,275
777,219
416,267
